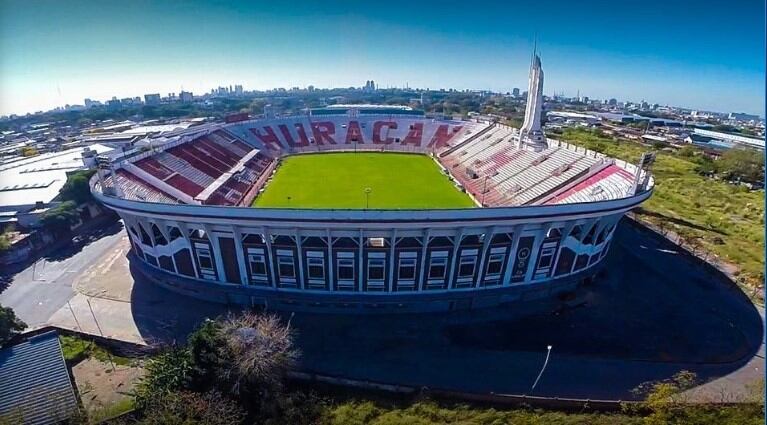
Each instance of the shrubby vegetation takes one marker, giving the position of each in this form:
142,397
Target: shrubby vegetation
233,369
61,217
10,325
242,359
76,188
709,214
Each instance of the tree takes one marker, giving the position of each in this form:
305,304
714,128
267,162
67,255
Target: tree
742,165
247,356
260,349
207,356
76,188
5,238
166,373
10,325
61,217
29,151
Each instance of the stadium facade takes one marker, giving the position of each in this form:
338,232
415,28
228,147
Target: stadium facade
545,213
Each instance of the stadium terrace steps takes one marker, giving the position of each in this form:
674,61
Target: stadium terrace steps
605,184
135,188
467,141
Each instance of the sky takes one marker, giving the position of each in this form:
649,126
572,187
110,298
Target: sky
707,55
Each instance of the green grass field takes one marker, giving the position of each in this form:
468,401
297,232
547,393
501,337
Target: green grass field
339,180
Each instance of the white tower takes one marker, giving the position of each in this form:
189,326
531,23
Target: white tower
530,135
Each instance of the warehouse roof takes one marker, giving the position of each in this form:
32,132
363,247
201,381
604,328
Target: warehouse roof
35,387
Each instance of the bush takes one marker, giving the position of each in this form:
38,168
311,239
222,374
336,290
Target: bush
167,373
184,407
76,188
61,217
10,325
260,349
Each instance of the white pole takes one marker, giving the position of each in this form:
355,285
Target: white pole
548,353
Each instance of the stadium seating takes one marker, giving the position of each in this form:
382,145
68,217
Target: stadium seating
136,189
228,164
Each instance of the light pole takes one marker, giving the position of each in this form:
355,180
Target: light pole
484,190
548,353
367,197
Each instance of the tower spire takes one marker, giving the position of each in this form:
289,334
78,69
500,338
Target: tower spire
531,134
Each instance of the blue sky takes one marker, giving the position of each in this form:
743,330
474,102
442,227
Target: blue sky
704,54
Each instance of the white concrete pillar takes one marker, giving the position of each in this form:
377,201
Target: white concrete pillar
392,260
454,259
516,233
489,232
534,254
216,248
242,259
330,263
424,246
269,257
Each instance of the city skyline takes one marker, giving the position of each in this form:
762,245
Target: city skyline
56,54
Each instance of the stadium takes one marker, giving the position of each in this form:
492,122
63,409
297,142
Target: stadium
371,208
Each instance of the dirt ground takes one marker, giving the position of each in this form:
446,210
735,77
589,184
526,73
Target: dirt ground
100,387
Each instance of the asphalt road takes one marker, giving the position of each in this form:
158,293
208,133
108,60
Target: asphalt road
40,289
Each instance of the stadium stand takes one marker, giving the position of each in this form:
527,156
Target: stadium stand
222,165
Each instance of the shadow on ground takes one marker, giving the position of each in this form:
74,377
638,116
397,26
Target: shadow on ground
65,247
652,312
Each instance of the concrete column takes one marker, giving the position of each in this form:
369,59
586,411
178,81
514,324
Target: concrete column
242,259
163,226
454,260
425,245
300,260
586,228
392,260
483,253
219,263
360,261
330,263
599,226
185,234
269,257
564,233
515,235
148,229
539,237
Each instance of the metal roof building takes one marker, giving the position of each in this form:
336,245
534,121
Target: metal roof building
35,387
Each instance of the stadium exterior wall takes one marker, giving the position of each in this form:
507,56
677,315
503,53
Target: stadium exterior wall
370,260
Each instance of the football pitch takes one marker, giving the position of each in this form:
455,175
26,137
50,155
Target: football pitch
361,180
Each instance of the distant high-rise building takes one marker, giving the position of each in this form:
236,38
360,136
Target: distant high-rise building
531,135
268,111
238,89
370,85
186,96
152,99
114,103
515,92
310,88
89,103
